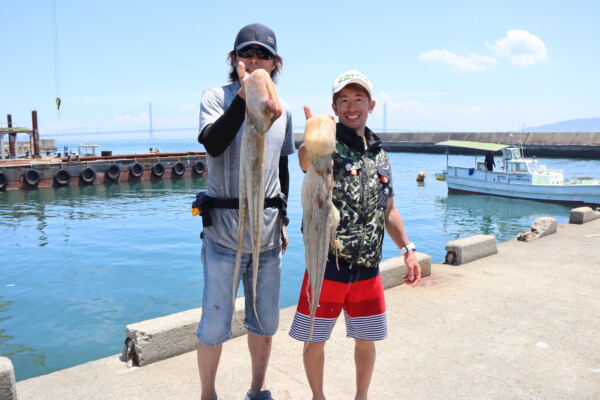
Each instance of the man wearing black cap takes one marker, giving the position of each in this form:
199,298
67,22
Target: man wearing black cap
222,113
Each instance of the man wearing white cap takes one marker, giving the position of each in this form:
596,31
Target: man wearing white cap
363,194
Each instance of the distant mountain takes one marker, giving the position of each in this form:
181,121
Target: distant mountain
572,125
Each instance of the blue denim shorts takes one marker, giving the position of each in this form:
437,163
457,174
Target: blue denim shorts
217,308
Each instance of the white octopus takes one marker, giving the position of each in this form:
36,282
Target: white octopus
320,217
262,109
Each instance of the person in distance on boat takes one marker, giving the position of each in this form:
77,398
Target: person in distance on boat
364,196
222,113
489,161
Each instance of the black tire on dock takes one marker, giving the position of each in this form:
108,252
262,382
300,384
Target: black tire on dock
199,167
178,168
32,177
136,170
62,177
113,172
158,170
3,181
88,175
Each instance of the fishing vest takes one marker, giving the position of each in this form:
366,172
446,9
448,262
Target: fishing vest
360,193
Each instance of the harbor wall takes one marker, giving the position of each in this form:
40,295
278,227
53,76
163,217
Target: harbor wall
540,144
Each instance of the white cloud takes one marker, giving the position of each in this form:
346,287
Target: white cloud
428,111
459,64
408,106
521,47
128,119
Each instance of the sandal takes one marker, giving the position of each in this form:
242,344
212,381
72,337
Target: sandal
264,395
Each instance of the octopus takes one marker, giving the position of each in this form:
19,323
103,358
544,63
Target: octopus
262,109
320,218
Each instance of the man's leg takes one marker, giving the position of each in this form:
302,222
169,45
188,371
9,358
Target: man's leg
364,358
263,326
331,300
217,309
314,365
260,351
208,362
366,322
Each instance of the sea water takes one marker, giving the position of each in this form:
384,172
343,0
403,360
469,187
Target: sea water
77,264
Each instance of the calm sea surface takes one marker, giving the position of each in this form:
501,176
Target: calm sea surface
80,263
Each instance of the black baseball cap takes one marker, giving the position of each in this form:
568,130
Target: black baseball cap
256,34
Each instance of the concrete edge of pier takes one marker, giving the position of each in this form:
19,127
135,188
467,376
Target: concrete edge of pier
164,337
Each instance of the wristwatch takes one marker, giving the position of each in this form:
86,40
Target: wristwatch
407,248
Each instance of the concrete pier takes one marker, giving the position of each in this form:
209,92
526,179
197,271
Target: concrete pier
519,324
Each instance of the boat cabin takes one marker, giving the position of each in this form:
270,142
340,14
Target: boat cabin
514,162
511,153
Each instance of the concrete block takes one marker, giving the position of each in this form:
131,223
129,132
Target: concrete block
8,388
165,337
393,269
581,215
543,227
469,249
540,228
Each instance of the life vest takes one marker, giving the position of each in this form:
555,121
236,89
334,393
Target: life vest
360,192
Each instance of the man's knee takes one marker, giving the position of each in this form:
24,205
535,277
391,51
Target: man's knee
258,339
364,344
315,347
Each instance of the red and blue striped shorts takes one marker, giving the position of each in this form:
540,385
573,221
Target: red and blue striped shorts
357,290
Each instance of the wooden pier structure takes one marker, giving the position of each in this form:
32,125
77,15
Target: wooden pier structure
12,132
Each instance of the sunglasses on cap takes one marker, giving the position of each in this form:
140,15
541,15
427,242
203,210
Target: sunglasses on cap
261,52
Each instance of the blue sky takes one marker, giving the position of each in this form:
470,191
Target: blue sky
437,65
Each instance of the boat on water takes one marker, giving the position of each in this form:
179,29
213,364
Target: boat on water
517,177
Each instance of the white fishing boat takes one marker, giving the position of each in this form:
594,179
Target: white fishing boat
518,177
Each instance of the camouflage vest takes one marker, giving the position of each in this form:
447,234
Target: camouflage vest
360,192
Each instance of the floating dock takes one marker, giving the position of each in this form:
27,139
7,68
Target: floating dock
35,171
24,174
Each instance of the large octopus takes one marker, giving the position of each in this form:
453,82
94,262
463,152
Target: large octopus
262,109
320,217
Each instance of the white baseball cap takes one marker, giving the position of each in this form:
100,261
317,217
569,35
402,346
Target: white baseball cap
352,76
